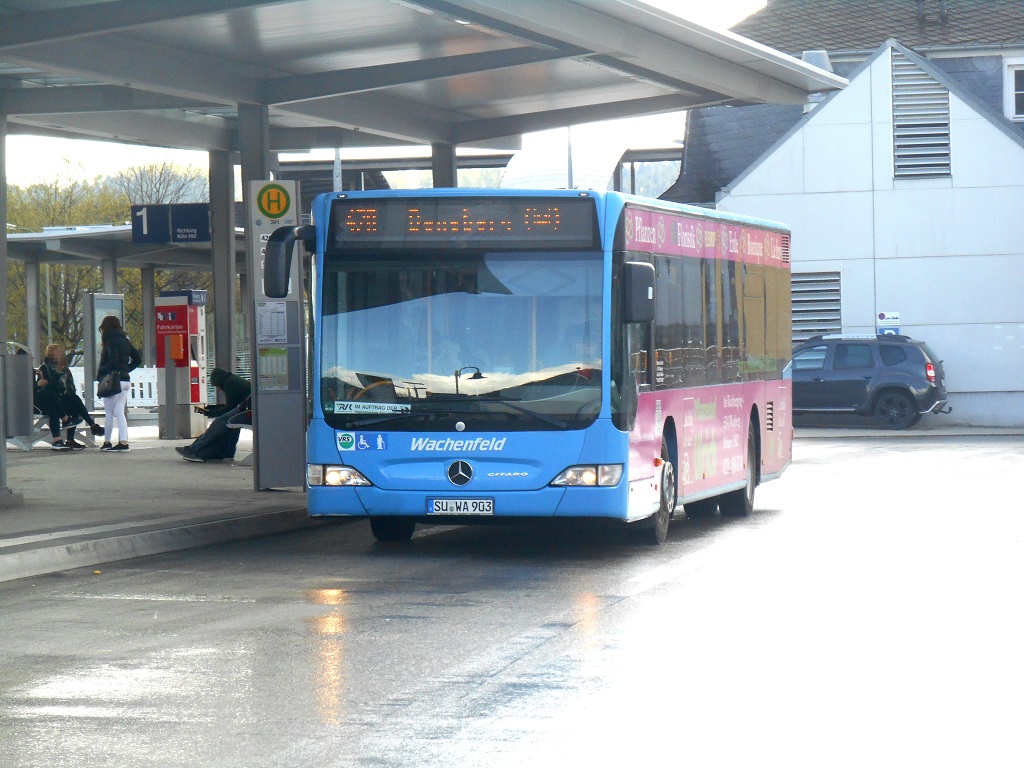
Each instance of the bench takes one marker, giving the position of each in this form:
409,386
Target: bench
242,420
41,432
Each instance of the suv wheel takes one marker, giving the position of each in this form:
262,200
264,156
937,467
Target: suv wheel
895,410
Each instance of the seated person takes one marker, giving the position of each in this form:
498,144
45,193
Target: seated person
56,398
219,440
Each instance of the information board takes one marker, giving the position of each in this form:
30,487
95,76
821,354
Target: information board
175,223
478,222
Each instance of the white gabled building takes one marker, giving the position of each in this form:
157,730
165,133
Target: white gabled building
905,191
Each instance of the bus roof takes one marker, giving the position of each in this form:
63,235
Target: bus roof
702,212
626,199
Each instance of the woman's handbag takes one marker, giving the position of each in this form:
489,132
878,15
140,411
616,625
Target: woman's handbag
109,385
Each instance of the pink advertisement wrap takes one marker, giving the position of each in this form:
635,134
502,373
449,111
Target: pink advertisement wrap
712,434
675,235
710,421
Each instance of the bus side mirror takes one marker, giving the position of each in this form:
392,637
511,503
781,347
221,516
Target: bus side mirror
277,264
638,292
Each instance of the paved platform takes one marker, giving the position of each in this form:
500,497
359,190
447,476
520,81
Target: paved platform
807,432
85,508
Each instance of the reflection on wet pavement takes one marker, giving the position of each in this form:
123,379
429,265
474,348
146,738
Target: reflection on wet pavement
330,654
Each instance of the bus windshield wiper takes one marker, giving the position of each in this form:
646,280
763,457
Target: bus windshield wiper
418,415
381,419
535,414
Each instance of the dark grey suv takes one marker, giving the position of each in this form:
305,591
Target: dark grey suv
895,379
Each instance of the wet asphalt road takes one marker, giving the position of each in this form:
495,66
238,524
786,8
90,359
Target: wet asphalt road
869,613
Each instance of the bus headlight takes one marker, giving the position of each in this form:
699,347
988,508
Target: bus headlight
320,474
590,475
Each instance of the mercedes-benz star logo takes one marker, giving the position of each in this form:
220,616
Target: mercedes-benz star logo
460,473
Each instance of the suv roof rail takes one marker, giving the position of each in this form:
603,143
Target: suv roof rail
854,337
850,336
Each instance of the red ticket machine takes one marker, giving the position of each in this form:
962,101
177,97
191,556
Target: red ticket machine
181,361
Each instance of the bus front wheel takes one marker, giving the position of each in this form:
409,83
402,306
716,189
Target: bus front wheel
392,528
740,503
654,530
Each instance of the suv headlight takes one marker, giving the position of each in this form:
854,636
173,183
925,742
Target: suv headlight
334,475
589,475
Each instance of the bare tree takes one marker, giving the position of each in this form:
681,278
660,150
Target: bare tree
162,183
157,184
47,204
61,202
68,201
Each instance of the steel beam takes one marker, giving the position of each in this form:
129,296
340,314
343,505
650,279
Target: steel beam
222,253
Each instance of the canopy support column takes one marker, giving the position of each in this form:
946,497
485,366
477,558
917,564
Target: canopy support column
148,275
222,252
32,310
8,498
109,268
444,165
278,396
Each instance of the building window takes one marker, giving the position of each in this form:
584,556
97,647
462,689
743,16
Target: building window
920,122
1013,89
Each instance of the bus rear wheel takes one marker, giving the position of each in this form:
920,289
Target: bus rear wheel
392,528
740,503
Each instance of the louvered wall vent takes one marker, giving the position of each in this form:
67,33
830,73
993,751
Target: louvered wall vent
920,122
816,304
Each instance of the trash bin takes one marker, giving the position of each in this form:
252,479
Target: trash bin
17,382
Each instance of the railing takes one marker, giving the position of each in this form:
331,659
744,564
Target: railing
143,393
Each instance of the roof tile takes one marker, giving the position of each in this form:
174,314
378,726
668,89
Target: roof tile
795,26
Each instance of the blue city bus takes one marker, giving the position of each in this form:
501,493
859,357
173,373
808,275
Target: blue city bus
496,354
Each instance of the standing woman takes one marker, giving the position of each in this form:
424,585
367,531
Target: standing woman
119,355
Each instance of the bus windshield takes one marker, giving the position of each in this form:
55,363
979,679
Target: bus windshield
423,340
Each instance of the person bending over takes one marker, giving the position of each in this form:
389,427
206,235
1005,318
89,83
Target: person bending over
219,440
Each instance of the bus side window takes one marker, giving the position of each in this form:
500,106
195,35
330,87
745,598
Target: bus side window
712,318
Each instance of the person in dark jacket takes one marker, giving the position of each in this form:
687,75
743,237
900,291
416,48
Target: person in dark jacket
56,397
118,354
219,440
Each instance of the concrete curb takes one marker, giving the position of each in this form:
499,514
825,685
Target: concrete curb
838,433
70,553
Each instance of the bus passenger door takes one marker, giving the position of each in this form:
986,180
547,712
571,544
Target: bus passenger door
645,437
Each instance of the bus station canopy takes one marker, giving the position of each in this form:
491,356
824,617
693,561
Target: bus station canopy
93,245
333,73
263,76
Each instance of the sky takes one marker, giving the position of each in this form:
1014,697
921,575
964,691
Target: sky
33,159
